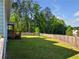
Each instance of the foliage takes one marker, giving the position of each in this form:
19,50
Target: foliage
69,31
78,33
27,15
77,28
37,30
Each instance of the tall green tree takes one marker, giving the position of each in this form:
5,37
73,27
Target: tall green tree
28,16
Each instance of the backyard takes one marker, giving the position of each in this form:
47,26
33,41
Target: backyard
39,47
31,16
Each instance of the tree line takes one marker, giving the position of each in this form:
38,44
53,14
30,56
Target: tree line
30,17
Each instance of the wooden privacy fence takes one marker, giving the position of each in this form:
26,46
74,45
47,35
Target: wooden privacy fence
74,41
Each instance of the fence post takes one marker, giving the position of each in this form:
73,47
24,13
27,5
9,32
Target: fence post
76,42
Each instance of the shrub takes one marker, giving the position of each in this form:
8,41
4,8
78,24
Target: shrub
78,33
37,30
69,31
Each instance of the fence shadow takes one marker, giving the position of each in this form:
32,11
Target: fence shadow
37,48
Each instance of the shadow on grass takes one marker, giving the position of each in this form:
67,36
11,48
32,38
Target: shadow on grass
37,48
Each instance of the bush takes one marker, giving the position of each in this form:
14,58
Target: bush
78,33
37,30
69,31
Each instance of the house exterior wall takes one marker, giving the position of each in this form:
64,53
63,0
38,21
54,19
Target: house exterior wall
4,16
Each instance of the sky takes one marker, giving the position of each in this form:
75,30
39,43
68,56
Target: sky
63,9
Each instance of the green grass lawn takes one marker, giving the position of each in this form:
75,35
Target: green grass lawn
35,47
